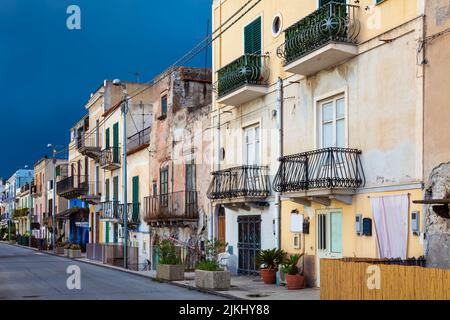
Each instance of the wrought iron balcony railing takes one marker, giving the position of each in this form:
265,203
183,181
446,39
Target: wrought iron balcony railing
36,190
110,158
89,145
330,168
177,205
113,210
245,181
248,69
142,138
333,22
73,187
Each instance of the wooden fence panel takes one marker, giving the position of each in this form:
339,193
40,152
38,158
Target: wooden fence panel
340,280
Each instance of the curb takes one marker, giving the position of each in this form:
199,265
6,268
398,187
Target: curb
212,292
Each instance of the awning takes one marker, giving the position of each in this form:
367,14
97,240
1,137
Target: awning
78,214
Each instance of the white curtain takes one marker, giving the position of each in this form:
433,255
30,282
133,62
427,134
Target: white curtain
390,215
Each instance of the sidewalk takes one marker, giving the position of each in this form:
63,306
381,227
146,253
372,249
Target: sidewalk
242,287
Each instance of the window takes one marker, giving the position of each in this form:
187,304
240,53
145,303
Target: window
107,190
164,186
324,2
252,145
190,177
163,107
252,37
332,123
277,25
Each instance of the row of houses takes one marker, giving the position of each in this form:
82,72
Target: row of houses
316,131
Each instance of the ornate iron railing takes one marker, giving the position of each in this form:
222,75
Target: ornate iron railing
74,185
133,213
332,168
114,210
248,69
111,210
110,156
88,140
175,205
139,139
333,22
245,181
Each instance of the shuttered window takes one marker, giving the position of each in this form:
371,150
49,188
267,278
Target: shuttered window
252,37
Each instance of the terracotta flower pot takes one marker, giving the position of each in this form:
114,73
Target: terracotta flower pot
295,282
269,276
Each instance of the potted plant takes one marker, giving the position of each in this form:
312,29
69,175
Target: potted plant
74,251
209,274
294,277
66,249
60,246
170,267
268,261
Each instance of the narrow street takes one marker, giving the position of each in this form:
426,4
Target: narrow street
28,274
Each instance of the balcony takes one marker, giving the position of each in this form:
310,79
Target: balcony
110,158
326,37
243,80
73,187
172,208
320,175
240,185
139,141
113,211
88,145
94,193
36,190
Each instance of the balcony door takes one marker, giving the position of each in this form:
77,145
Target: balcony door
328,236
252,146
332,123
164,187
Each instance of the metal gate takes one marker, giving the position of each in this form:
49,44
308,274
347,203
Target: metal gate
249,243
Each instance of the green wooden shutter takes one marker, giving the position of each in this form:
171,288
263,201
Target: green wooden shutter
116,189
116,142
107,143
135,198
107,232
252,37
107,190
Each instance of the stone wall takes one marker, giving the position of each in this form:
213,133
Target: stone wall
437,229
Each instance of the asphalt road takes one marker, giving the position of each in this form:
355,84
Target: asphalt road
28,274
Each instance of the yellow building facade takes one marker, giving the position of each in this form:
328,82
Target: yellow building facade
336,89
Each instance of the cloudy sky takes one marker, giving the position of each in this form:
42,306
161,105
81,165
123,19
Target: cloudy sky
47,71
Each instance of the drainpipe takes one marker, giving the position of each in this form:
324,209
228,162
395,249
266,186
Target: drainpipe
279,110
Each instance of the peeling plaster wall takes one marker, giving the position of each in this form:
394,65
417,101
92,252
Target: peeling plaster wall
437,229
180,138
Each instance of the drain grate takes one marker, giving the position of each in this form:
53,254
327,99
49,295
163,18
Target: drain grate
257,295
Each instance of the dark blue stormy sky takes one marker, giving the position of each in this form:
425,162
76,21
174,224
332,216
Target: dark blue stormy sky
47,72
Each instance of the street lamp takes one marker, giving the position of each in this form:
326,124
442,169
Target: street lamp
53,147
118,82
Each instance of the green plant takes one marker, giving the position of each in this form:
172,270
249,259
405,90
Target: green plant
290,265
209,265
213,247
168,253
67,245
74,246
270,258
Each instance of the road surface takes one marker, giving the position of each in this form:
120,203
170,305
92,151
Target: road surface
29,274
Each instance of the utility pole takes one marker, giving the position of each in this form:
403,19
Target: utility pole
125,179
29,214
279,110
53,202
